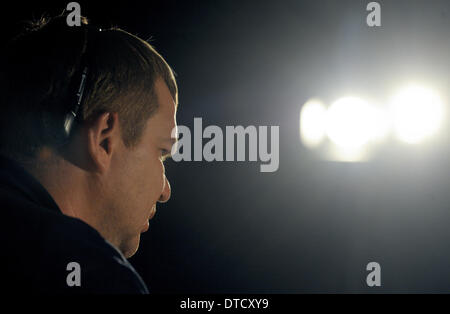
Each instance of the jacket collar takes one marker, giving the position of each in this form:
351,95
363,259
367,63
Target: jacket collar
15,179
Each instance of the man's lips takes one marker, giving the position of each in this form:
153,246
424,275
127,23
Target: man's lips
152,214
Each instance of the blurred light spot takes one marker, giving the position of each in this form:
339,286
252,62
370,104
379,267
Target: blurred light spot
348,154
380,124
312,123
417,114
351,123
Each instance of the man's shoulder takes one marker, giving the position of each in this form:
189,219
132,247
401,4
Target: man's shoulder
46,251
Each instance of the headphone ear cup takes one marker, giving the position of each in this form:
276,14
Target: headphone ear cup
68,124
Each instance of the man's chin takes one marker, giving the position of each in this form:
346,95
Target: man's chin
130,247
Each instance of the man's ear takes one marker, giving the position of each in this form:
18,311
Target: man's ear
103,135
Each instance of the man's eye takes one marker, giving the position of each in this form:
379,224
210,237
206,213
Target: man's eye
164,154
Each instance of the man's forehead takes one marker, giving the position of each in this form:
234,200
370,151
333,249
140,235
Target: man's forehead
165,100
164,120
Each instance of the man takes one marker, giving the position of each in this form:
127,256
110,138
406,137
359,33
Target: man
86,121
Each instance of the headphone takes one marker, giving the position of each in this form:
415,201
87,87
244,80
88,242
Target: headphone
70,117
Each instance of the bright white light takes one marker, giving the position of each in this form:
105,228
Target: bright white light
352,123
417,114
379,123
312,123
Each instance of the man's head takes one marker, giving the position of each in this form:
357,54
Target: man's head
128,181
110,172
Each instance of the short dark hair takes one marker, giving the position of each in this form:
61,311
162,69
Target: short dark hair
40,74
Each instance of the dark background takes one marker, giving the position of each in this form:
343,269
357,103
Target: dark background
313,225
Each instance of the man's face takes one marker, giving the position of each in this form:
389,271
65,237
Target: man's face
137,178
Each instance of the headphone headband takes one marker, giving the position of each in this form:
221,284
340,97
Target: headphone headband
73,113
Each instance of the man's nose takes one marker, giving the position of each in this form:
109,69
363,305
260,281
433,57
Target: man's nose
165,195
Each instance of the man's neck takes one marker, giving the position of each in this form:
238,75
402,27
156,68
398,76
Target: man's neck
74,188
64,182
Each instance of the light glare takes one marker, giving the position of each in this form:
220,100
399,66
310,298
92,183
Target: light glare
312,123
352,123
417,114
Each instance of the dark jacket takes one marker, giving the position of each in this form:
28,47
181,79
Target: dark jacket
39,242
